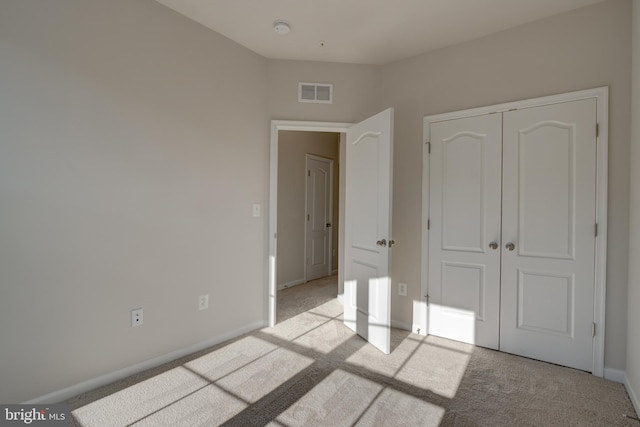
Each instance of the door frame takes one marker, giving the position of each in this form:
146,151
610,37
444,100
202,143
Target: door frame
271,259
309,156
601,95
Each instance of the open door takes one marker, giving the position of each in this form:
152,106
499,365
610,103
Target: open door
367,281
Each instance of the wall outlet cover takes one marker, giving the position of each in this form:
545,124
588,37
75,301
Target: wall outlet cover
203,302
136,317
402,289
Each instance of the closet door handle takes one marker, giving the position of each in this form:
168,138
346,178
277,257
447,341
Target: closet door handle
493,245
510,246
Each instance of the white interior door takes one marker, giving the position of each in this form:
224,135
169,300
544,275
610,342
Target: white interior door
548,233
367,296
464,231
318,225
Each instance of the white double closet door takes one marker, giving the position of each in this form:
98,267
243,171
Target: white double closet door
512,208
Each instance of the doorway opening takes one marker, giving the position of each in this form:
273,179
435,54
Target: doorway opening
307,206
291,142
364,223
307,250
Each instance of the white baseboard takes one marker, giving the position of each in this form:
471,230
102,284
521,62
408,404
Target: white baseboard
83,387
621,377
615,375
341,298
400,325
282,286
635,397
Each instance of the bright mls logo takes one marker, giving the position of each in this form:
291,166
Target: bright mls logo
37,415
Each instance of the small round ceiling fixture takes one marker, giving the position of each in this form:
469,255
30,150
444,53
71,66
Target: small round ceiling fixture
281,27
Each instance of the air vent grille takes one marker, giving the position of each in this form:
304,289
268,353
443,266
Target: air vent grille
315,92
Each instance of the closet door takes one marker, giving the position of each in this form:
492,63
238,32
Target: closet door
548,233
464,233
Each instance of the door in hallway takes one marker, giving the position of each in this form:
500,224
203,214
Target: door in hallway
318,220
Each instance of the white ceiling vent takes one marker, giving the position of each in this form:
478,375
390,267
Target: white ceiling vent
315,92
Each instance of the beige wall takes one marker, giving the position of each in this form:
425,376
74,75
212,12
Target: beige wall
633,336
292,150
582,49
133,145
356,90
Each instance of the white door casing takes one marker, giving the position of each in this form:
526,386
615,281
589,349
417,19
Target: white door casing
319,197
464,261
560,210
549,211
367,296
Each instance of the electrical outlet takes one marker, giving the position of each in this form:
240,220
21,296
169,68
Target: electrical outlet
203,302
402,289
136,317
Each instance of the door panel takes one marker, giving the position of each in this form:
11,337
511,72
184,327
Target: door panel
464,271
555,293
367,308
463,192
549,216
319,196
546,181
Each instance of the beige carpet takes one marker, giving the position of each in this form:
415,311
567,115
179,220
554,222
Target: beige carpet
310,370
298,299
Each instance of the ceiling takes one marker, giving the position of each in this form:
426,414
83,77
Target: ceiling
363,31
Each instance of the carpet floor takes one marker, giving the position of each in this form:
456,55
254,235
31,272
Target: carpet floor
298,299
310,370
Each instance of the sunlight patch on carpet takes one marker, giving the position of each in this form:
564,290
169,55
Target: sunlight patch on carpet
395,408
264,375
338,400
209,406
231,357
447,367
140,400
325,338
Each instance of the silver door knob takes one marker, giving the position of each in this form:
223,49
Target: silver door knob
510,246
493,245
382,242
